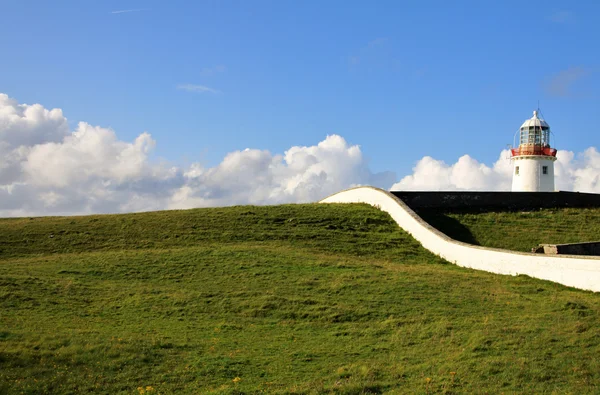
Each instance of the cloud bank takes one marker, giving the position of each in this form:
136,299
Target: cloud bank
466,174
47,169
573,172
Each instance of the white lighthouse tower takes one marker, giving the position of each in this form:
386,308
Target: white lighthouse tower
533,160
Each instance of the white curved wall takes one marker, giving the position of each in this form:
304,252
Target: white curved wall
575,271
531,177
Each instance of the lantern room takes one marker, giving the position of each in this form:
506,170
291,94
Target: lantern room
534,138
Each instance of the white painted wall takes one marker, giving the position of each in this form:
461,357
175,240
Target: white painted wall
576,271
531,177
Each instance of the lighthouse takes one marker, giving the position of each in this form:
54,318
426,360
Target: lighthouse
533,160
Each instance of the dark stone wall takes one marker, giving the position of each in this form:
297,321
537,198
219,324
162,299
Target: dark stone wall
589,248
497,200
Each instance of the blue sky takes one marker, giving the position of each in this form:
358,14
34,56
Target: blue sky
403,79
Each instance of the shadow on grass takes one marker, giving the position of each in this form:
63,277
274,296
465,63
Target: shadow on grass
448,225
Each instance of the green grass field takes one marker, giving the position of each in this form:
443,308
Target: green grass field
518,231
302,299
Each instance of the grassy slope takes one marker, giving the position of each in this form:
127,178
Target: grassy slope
289,299
518,231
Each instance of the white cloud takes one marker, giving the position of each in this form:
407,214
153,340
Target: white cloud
28,125
84,154
301,174
127,11
196,88
47,169
578,172
466,174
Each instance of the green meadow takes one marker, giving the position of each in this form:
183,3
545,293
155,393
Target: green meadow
290,299
518,230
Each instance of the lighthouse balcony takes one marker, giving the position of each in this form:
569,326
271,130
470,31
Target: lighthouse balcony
533,150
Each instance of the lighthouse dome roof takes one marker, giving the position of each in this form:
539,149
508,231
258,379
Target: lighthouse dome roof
535,121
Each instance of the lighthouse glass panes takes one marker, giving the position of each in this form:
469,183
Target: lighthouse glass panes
535,135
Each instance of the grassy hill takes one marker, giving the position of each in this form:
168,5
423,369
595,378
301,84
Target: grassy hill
284,299
518,231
